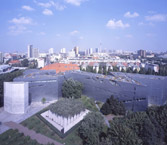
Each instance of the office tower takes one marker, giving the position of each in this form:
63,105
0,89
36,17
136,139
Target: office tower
1,57
141,53
30,51
51,51
76,49
97,50
90,51
63,50
35,53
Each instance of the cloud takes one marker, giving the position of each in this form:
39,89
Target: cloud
18,29
75,2
74,32
81,37
156,18
112,24
28,8
129,36
47,12
22,20
145,24
42,33
150,34
56,5
129,15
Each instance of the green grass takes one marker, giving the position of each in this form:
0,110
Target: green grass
13,137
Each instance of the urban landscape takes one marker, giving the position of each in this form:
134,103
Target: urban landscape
83,82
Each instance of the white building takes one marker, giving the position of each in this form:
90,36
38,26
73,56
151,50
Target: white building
51,51
35,53
63,50
41,62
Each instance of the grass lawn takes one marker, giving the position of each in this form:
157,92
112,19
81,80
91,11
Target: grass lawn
13,137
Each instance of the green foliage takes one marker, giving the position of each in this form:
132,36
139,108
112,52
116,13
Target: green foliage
13,137
67,107
43,100
113,106
25,63
91,127
72,89
120,134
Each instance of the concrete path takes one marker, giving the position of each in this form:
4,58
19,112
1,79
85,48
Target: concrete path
33,135
105,119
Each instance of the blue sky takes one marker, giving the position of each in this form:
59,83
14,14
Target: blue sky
116,24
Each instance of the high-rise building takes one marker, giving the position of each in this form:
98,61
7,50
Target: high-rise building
76,49
35,53
63,50
1,57
90,51
51,51
97,50
141,53
30,51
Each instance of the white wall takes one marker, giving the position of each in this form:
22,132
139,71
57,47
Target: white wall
16,97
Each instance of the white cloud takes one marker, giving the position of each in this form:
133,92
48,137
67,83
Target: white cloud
58,35
150,34
47,12
129,36
81,37
28,8
42,33
156,18
112,24
129,15
22,20
56,5
75,2
18,29
74,32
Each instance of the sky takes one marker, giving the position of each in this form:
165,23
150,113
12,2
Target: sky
127,25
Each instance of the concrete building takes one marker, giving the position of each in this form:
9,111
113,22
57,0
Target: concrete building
76,49
135,90
30,51
1,57
16,97
35,53
141,53
51,51
63,50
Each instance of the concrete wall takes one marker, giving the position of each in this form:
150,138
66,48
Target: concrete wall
16,97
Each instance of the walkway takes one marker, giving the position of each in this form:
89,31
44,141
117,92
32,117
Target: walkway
33,135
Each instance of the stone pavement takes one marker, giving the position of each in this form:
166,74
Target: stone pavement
33,135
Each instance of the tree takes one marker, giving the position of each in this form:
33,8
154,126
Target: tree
43,100
91,127
113,106
72,89
25,63
120,134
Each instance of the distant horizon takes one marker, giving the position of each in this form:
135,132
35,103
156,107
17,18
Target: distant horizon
112,25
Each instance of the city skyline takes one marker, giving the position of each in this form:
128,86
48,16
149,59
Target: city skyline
126,25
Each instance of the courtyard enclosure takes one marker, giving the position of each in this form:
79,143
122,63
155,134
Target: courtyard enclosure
65,114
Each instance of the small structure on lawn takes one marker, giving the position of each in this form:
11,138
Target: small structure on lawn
65,114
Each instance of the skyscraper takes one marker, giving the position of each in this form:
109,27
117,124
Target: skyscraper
76,49
1,57
141,53
63,50
30,51
35,53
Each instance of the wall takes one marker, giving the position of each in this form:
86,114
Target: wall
16,97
